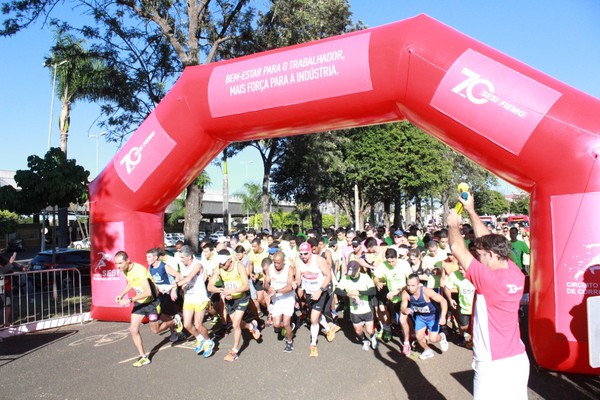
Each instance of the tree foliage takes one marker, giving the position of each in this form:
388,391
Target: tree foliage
520,205
53,181
8,221
490,202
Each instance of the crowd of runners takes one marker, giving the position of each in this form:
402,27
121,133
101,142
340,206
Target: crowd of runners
416,284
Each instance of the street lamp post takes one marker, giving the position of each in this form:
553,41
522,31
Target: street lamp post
54,66
245,164
97,147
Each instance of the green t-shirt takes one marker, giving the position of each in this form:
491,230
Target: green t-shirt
518,249
393,277
364,282
466,291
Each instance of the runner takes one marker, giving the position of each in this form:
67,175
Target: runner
315,277
195,301
234,293
164,277
390,280
145,303
417,301
359,287
280,285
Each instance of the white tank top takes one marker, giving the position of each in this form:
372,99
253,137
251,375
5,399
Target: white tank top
312,276
279,279
195,290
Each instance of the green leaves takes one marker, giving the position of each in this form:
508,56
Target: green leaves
50,181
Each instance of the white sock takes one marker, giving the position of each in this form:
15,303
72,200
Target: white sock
314,332
200,337
324,323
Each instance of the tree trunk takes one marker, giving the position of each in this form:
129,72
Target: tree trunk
408,217
193,215
398,211
387,206
265,200
63,124
418,213
225,196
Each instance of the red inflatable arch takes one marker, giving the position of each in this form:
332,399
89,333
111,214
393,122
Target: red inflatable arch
528,128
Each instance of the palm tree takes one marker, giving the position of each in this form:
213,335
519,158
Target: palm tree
251,198
79,76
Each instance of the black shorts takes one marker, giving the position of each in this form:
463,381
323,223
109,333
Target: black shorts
318,305
150,310
380,298
360,318
464,319
258,285
234,305
167,306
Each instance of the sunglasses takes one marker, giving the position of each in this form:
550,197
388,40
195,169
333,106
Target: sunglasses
304,254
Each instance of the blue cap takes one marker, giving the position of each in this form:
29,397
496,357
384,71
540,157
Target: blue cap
398,233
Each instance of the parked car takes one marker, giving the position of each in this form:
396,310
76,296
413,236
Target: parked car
63,258
81,244
15,245
169,240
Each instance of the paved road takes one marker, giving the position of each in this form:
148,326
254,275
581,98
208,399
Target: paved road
93,361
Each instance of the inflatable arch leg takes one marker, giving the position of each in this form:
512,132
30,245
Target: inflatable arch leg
533,131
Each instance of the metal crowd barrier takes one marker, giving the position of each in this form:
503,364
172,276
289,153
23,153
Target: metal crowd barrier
37,296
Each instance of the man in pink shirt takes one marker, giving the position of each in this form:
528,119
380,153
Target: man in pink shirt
500,361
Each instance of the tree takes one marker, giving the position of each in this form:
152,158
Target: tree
251,198
490,202
286,23
52,181
8,222
194,196
150,43
80,76
520,205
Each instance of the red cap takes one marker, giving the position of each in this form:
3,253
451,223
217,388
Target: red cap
305,247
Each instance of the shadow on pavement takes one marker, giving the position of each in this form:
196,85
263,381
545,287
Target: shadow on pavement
18,346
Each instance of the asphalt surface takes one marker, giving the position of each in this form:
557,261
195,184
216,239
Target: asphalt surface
94,361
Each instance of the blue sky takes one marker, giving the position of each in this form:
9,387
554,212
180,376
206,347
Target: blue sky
559,38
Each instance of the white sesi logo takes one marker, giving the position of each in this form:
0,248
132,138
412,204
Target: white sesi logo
466,87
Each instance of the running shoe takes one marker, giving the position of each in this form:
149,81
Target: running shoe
215,320
289,346
143,360
179,324
426,354
330,335
335,328
443,342
379,334
174,337
254,329
365,345
208,348
406,349
313,351
199,346
231,356
281,334
387,335
374,342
